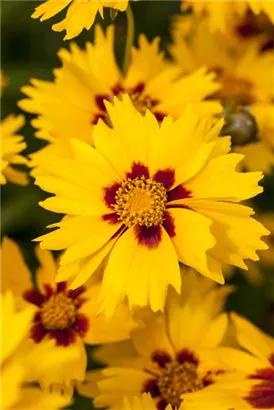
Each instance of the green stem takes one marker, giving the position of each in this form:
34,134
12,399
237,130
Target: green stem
129,39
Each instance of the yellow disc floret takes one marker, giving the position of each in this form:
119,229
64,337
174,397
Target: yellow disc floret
58,312
141,201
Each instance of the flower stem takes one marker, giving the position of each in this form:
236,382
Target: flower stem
129,39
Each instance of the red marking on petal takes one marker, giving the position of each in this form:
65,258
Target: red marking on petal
187,356
81,324
37,317
162,405
161,357
34,297
261,396
37,332
110,194
48,290
247,30
99,99
97,117
178,193
63,337
151,387
61,286
166,177
149,237
117,89
159,116
169,224
111,218
74,293
139,88
138,170
271,359
263,374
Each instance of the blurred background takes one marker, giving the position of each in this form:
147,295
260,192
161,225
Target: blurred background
29,50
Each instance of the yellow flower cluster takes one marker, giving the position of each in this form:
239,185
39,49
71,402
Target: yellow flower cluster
151,167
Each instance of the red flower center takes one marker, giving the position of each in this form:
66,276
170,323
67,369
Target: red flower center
143,202
138,96
58,314
172,377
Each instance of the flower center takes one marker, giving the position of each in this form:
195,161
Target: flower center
177,379
141,201
59,312
141,102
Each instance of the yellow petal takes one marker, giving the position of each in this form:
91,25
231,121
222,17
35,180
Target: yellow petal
140,273
192,240
15,273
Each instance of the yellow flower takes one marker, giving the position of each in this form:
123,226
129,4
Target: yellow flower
255,365
221,13
71,105
246,79
80,14
16,359
147,196
11,147
66,316
170,357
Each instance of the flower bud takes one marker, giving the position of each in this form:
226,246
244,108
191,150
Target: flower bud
241,126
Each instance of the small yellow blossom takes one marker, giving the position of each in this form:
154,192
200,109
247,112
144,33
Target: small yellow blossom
246,79
12,145
222,12
17,362
68,317
146,196
80,14
70,106
170,357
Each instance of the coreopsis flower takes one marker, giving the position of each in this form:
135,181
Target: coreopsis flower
246,81
80,13
17,362
12,145
256,363
147,196
221,13
68,317
71,105
169,357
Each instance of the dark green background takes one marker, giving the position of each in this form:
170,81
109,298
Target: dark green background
29,50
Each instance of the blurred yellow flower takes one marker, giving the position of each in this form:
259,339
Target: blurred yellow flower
170,357
17,362
246,79
222,13
12,145
80,14
148,195
69,317
71,105
255,362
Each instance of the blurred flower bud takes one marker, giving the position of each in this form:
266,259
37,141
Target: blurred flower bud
241,126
